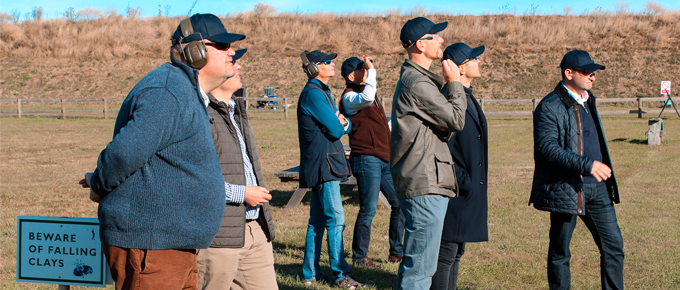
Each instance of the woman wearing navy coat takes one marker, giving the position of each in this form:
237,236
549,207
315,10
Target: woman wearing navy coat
466,217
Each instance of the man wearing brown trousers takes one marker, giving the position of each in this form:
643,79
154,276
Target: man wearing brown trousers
158,182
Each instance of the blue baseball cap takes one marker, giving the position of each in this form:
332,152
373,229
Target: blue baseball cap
579,59
351,64
459,52
318,56
206,26
415,28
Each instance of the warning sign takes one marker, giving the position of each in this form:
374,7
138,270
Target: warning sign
63,251
666,87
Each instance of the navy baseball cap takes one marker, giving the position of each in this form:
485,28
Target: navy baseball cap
351,64
415,28
239,54
206,26
579,59
459,52
317,56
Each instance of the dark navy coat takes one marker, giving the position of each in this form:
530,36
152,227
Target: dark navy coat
558,165
466,217
322,156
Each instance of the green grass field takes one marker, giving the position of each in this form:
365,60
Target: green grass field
42,160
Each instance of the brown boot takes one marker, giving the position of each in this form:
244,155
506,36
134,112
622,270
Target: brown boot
367,262
395,259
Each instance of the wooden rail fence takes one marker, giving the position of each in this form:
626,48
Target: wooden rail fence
286,102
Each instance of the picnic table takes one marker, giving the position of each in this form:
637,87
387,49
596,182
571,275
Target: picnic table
293,175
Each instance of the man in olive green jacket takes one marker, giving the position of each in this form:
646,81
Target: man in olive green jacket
421,165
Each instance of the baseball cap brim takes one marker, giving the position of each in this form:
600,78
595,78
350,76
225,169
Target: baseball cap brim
330,56
239,54
220,38
438,27
318,56
227,37
592,67
477,51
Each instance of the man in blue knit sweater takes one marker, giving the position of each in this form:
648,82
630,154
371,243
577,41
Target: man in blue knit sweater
158,182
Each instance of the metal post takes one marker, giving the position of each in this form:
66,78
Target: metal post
106,110
63,109
18,108
639,109
285,107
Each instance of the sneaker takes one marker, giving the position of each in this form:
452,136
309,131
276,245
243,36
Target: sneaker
395,259
349,283
367,262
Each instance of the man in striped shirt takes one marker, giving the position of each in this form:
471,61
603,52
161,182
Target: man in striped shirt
241,254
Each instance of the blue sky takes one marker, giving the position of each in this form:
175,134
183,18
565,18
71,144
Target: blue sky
56,8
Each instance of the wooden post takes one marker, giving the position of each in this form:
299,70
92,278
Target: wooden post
18,108
481,102
639,108
106,110
533,105
285,107
63,109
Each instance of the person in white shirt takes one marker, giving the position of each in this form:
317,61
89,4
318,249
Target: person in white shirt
369,140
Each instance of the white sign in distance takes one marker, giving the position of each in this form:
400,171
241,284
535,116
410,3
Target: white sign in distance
64,251
666,87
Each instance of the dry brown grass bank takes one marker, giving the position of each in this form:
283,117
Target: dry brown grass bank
106,56
286,34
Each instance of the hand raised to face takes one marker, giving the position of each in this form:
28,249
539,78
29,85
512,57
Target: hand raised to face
450,71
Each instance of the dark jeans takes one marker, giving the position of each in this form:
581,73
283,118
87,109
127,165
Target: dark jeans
600,218
446,277
373,176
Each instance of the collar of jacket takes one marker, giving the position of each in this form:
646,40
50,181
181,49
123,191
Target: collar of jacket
356,87
223,107
191,72
468,91
436,79
318,82
567,99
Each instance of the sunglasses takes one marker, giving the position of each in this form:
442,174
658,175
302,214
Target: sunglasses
429,37
325,62
470,59
585,73
219,46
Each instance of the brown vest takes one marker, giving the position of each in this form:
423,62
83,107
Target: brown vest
370,134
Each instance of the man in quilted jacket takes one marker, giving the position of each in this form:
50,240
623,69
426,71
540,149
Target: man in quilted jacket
573,176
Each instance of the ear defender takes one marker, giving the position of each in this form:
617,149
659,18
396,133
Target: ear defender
195,51
311,69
